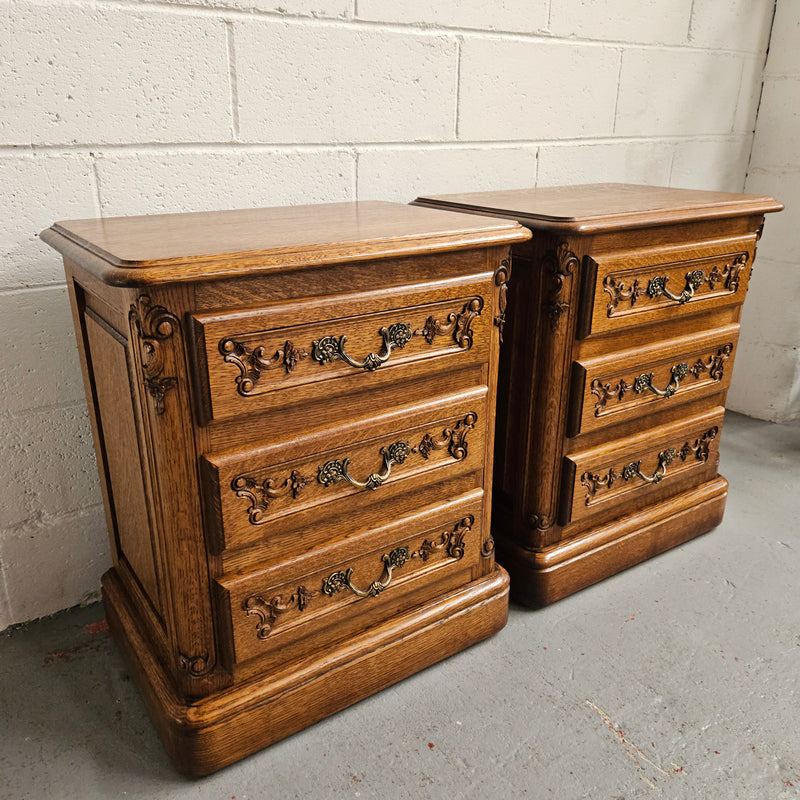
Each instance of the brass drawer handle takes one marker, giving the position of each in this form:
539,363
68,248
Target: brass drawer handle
339,580
658,286
336,470
331,348
664,458
645,381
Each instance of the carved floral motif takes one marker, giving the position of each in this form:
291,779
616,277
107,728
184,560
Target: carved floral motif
558,264
621,293
452,438
252,363
459,325
268,611
594,482
153,325
261,494
715,366
501,276
605,392
196,666
452,541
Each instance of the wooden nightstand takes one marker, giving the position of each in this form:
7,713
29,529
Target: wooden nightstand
293,415
621,332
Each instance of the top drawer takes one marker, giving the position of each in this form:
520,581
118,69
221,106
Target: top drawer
254,360
655,284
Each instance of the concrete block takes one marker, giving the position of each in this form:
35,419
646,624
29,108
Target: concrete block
767,316
749,95
784,54
781,238
54,564
777,143
714,165
527,16
677,92
766,380
624,162
51,462
15,507
641,21
342,9
327,83
732,25
38,355
533,90
37,190
157,183
94,74
402,175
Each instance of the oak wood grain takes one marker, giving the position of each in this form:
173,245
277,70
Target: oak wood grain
267,474
620,307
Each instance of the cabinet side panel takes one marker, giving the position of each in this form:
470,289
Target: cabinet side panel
109,366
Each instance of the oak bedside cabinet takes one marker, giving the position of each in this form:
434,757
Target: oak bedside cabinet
621,332
293,416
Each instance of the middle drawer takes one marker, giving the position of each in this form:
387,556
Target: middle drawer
347,472
626,385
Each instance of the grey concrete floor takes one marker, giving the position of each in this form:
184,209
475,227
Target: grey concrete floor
675,679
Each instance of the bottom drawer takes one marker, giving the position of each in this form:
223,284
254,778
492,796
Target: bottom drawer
298,607
628,473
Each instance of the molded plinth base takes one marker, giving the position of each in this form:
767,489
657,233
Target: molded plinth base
539,577
206,734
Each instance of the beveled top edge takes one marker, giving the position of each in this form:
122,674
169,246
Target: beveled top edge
329,231
600,206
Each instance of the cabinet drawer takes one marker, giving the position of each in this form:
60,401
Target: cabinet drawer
628,385
341,589
374,460
651,285
644,467
254,360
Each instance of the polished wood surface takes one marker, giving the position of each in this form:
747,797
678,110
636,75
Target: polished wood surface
592,207
170,248
622,326
297,467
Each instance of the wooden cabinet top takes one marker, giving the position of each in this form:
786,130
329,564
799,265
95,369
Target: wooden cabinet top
138,251
598,207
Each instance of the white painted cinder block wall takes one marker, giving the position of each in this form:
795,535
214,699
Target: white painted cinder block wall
766,379
119,107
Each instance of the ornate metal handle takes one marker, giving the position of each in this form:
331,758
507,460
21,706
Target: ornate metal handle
645,381
335,471
658,286
331,348
337,581
664,458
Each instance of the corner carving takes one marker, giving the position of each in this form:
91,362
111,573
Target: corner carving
196,666
501,278
153,325
558,264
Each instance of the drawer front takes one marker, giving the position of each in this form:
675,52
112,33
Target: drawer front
641,467
625,386
625,289
344,588
247,490
247,361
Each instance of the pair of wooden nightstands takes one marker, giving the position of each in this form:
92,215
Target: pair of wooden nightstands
294,414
